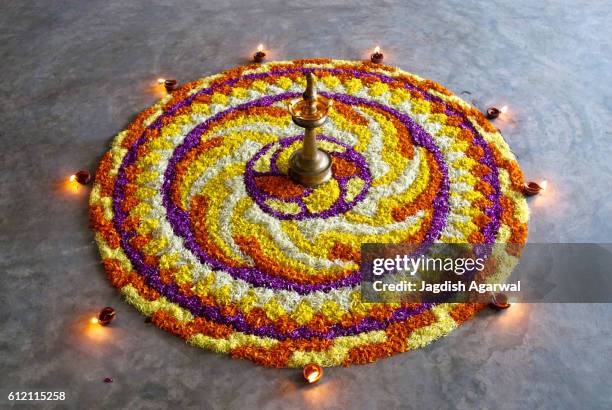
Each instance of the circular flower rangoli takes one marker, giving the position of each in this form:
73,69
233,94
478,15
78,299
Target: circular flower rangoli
201,229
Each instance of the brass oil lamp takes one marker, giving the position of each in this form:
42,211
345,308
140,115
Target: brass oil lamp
310,165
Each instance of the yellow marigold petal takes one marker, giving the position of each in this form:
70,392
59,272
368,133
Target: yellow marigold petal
323,197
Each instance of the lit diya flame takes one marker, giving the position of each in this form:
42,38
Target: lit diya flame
500,302
168,83
533,188
494,112
105,317
82,177
71,185
96,331
377,56
312,373
259,56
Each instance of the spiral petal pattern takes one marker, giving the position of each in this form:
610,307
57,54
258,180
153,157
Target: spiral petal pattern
200,228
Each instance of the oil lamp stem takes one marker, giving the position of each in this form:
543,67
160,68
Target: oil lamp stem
309,151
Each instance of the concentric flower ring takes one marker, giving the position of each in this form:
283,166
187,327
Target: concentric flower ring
201,229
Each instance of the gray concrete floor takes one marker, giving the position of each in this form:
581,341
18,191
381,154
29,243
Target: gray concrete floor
75,72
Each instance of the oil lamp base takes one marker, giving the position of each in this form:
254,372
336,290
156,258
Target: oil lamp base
310,172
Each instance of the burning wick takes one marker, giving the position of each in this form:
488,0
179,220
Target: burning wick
499,302
169,84
259,56
533,188
377,57
82,177
312,373
493,112
105,316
